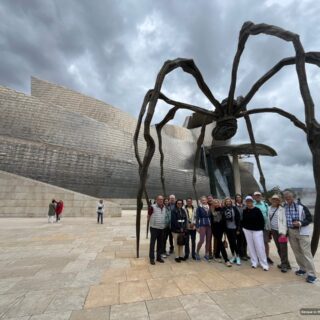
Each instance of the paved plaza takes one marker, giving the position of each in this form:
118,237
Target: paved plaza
80,270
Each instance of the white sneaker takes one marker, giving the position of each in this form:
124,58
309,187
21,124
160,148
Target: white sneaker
163,256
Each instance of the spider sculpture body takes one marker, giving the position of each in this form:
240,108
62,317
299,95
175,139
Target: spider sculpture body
227,112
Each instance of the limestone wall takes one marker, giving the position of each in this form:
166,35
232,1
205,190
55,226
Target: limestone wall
23,197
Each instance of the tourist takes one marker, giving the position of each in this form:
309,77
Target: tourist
278,223
158,216
213,246
59,209
231,217
178,229
171,207
203,225
298,222
52,211
191,230
264,208
167,231
241,239
100,211
218,229
253,227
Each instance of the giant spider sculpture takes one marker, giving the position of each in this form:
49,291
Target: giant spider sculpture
228,111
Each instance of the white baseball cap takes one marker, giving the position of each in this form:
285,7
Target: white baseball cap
248,198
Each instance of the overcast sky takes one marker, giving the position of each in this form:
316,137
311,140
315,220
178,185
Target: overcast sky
112,50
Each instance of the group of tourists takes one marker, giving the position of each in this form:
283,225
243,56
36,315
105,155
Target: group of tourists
55,211
245,227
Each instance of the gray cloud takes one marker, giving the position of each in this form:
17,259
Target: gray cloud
113,51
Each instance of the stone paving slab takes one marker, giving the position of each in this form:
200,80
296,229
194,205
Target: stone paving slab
80,270
102,313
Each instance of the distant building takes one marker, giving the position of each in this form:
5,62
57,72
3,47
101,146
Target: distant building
67,139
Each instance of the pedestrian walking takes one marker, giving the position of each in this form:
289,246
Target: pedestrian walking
52,211
100,211
59,210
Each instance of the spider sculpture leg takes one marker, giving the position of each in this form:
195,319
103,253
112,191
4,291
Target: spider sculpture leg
248,29
159,127
256,155
312,126
169,116
150,101
197,158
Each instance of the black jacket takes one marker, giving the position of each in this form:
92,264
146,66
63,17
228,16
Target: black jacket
178,220
217,222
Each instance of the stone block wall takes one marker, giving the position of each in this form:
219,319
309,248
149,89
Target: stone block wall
23,197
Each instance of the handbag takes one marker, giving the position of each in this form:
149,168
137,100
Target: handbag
181,240
225,244
282,239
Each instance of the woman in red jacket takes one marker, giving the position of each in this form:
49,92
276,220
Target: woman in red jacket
59,209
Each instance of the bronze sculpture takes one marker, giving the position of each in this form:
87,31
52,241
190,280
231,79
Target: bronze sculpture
229,110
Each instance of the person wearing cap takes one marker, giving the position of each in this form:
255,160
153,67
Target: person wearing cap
253,226
298,222
263,206
278,223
